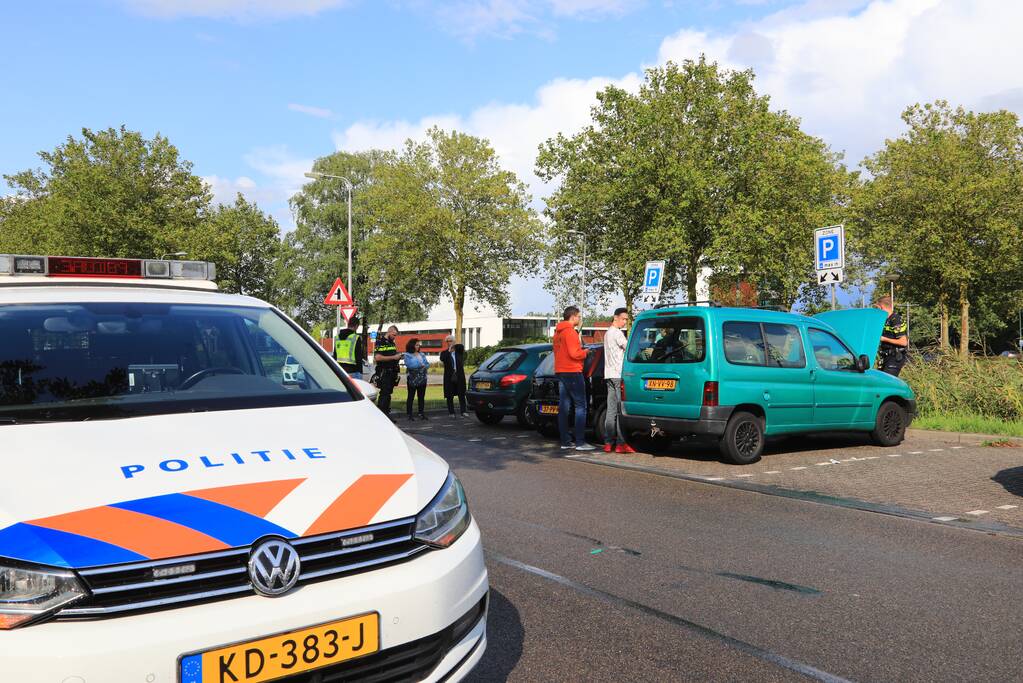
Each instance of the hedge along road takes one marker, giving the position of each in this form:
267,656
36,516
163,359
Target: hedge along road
607,574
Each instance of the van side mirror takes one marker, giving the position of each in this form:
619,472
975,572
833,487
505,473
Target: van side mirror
863,363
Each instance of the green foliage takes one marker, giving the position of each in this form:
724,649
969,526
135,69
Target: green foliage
956,385
943,209
970,424
108,193
451,218
695,169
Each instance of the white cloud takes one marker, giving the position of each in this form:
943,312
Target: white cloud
471,18
232,9
849,76
318,112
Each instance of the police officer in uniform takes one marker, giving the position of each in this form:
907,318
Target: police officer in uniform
894,340
349,349
386,356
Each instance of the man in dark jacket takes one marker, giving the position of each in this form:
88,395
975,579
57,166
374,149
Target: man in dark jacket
453,358
894,339
386,356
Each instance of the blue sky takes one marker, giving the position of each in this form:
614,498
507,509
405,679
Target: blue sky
251,91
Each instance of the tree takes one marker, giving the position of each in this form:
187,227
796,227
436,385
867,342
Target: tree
466,220
315,253
109,193
245,245
944,209
695,168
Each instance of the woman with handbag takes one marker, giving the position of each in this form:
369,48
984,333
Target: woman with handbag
416,366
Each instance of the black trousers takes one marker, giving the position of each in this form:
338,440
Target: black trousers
461,403
414,392
385,380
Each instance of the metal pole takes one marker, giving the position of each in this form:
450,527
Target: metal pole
893,293
582,293
834,300
907,324
351,285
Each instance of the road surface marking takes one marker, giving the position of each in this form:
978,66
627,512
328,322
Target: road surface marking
873,457
522,436
499,438
895,455
773,472
956,448
915,452
714,478
823,463
944,519
744,475
797,468
977,513
936,450
475,439
1006,507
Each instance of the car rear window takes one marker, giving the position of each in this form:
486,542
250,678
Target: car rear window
546,367
504,360
680,339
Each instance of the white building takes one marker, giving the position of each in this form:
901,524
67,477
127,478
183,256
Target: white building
481,326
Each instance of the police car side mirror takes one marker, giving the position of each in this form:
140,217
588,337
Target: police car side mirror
863,363
367,389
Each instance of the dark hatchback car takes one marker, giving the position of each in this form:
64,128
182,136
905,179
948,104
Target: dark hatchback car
543,401
501,384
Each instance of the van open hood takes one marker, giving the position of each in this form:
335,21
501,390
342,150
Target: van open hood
79,494
860,328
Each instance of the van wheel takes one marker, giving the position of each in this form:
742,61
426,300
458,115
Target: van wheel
488,418
890,426
743,440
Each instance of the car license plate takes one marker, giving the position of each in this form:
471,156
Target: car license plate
549,410
483,385
277,656
660,384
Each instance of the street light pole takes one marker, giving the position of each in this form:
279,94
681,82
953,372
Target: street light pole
348,186
582,280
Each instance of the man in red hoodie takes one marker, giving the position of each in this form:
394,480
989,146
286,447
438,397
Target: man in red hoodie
569,356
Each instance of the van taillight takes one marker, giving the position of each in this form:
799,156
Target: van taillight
710,394
623,390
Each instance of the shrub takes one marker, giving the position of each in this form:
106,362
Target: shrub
949,384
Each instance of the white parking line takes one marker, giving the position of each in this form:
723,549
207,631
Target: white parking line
943,519
873,457
714,478
522,436
499,438
475,439
895,455
956,448
744,475
773,472
935,450
797,468
915,452
977,513
1007,507
823,463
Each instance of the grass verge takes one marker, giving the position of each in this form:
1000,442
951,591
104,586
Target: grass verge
971,424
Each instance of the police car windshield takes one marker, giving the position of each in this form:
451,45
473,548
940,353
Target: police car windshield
102,360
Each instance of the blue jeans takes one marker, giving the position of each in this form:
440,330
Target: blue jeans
572,394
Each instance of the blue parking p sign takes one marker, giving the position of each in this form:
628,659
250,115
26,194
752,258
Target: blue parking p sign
653,275
829,247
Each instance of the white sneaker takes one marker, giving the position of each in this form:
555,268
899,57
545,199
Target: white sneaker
568,448
585,447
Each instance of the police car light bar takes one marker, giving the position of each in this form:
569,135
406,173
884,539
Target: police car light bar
118,268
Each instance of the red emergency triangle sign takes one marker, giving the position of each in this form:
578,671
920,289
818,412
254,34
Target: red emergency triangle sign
338,295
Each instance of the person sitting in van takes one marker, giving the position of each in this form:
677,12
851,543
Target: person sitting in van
569,356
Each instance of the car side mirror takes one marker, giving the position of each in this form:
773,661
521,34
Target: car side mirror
863,363
366,389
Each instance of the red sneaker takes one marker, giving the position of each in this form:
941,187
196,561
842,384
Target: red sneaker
609,448
625,448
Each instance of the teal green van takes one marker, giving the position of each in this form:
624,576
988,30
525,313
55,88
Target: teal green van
742,374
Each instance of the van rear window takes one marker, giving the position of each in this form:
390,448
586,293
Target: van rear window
668,340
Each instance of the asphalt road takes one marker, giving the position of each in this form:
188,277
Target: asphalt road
602,574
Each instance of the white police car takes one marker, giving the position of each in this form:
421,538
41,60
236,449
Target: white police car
173,511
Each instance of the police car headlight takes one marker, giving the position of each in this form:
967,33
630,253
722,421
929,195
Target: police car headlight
29,593
446,517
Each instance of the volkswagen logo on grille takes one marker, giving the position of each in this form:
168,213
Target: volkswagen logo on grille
274,567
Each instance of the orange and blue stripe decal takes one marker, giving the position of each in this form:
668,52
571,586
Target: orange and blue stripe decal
187,523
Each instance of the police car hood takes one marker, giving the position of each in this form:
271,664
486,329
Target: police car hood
77,494
860,328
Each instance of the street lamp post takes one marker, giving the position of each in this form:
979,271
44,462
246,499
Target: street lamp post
582,279
348,186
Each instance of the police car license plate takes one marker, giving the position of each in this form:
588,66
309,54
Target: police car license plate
661,384
271,658
549,410
483,385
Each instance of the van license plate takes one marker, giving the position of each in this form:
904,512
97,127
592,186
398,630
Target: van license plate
271,658
483,385
660,384
549,410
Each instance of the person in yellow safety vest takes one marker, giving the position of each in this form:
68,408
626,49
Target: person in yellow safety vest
349,350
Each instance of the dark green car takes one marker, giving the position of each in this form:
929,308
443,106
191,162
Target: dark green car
501,384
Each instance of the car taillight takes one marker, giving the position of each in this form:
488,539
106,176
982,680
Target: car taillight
623,391
509,380
710,394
